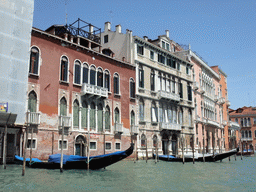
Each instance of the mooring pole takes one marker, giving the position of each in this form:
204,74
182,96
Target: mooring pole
24,150
146,150
183,158
62,138
5,147
135,151
156,153
31,145
203,150
168,149
241,150
193,149
88,154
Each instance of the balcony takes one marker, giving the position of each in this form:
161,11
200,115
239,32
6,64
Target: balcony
202,91
246,139
224,123
65,121
33,118
170,126
215,98
168,95
118,128
222,100
134,130
94,90
234,125
196,85
228,103
211,122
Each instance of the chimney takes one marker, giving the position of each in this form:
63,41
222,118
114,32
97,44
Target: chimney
107,26
91,28
118,29
167,33
145,38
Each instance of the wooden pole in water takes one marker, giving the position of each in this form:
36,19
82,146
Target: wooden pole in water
24,150
203,150
5,147
156,152
241,149
62,138
88,154
146,151
135,151
193,149
182,142
31,145
168,149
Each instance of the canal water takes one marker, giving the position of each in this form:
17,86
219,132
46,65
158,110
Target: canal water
239,175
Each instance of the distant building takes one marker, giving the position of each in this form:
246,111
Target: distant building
73,84
246,117
15,37
163,89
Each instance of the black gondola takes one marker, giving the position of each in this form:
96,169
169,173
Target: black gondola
95,162
199,157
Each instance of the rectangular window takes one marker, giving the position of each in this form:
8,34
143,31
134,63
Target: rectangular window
107,82
163,44
140,49
188,70
33,144
77,74
106,39
152,82
169,62
173,64
180,90
161,59
167,47
178,66
152,55
118,146
64,70
108,146
93,145
65,144
85,75
100,79
254,121
141,78
189,93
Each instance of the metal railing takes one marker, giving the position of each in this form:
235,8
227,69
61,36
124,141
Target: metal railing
94,90
170,126
33,118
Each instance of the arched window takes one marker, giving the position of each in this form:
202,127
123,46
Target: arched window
34,61
141,109
250,134
64,69
63,107
154,141
242,134
154,114
246,134
255,134
100,118
32,100
143,140
107,79
76,114
100,77
116,84
85,73
84,112
132,88
107,119
92,75
77,75
152,80
117,119
92,117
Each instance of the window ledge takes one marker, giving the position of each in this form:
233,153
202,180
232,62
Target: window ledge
33,75
64,82
142,122
78,85
154,123
142,90
117,95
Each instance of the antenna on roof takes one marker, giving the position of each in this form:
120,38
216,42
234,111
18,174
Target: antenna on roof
66,19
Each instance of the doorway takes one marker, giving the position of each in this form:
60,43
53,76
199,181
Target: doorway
80,146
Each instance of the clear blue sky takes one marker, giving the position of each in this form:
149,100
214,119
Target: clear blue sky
220,31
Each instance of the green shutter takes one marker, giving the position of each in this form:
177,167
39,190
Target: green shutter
84,117
32,102
76,114
107,120
92,119
63,107
100,122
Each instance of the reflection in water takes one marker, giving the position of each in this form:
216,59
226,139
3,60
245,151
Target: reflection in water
140,176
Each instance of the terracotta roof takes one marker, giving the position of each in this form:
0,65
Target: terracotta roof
243,111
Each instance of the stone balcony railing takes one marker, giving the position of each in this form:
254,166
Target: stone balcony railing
246,139
211,122
234,125
168,95
222,100
228,103
196,85
33,118
118,128
94,90
134,129
65,121
170,126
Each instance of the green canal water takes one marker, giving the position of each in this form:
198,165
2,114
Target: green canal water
239,175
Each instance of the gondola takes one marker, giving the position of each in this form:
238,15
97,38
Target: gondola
199,157
78,162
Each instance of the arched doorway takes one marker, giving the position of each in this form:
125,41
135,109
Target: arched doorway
80,145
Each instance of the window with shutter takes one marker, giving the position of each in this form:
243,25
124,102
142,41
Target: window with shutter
76,114
92,76
100,118
85,74
32,101
92,117
63,107
34,61
84,114
107,80
116,83
64,69
107,119
77,78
